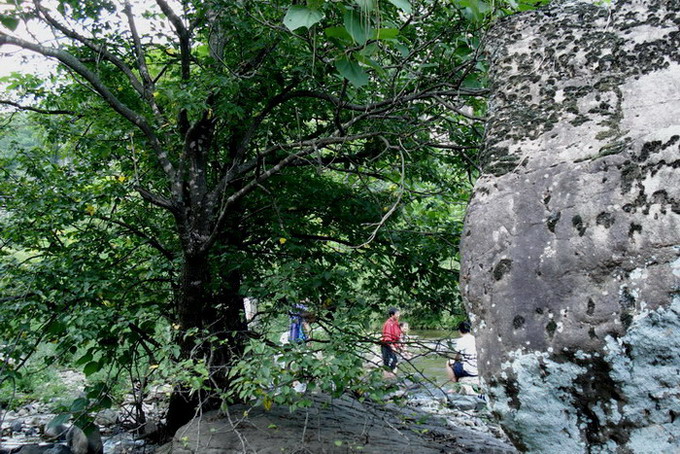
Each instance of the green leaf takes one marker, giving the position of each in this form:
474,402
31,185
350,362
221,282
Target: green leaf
10,22
386,33
475,10
59,419
403,50
79,405
202,51
105,402
301,16
338,32
86,358
56,327
368,50
403,5
351,71
358,29
372,63
91,367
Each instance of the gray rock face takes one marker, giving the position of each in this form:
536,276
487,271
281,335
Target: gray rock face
571,250
332,426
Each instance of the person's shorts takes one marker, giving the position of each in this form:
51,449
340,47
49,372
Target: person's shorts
459,370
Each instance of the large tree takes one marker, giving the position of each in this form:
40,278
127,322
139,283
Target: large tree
223,145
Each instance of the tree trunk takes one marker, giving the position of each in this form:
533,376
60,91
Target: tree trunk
214,306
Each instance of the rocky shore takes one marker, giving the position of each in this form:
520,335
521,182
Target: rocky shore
425,419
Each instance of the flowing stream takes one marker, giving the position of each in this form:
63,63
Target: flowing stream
430,349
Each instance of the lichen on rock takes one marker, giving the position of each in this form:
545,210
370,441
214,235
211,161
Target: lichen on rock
571,244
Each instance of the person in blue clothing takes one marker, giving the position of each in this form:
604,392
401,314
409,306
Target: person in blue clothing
299,328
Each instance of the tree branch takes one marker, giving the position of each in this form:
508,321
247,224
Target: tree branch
38,110
141,64
99,49
155,199
102,90
185,57
304,236
182,34
151,240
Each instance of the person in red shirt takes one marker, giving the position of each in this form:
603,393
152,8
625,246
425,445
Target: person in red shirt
391,341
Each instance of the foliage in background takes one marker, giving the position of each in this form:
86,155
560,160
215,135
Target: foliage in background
183,159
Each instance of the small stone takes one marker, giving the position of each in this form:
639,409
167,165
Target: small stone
107,417
59,449
33,449
17,425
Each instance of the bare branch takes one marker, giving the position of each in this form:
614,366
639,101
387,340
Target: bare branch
254,183
304,236
141,64
38,110
99,49
155,199
102,90
153,242
182,34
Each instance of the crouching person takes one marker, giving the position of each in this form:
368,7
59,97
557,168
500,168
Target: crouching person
463,368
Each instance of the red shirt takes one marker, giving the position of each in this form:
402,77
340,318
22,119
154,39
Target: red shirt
391,333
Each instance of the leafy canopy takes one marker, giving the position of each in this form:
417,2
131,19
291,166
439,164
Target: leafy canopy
321,150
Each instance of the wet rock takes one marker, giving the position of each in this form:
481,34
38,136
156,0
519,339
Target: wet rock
466,403
107,417
165,449
571,248
17,425
52,432
85,441
122,443
33,449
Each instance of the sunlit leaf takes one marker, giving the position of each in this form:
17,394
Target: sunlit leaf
301,16
386,33
403,5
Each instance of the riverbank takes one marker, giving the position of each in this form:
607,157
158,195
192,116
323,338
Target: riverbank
422,388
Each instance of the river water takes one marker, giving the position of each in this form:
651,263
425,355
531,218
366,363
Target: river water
430,350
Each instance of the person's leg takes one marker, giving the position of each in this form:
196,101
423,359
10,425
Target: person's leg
385,350
450,373
388,366
393,360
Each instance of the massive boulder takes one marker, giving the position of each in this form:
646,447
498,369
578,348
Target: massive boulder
571,249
